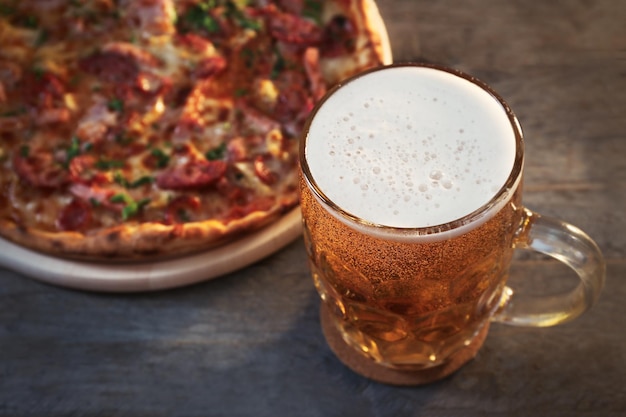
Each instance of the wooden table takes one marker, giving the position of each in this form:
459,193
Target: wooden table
250,343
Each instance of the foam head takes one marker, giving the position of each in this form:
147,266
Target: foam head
410,147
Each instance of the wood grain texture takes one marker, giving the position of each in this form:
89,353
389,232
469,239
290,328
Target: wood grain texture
249,344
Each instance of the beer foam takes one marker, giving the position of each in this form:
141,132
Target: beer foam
410,147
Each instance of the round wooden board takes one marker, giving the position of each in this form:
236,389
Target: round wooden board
152,275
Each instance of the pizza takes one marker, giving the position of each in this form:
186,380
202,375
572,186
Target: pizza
135,128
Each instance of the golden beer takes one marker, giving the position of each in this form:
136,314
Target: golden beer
408,305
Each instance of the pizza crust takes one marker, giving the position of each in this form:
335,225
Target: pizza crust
143,241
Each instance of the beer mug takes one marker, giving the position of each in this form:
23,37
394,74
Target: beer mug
411,197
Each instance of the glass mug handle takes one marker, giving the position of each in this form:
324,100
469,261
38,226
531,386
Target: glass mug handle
569,245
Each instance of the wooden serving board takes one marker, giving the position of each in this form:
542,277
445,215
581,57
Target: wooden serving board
152,275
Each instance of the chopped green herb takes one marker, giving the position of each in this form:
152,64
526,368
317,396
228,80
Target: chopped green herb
132,208
15,112
6,10
42,37
120,198
75,80
162,158
279,64
313,10
73,151
24,151
105,165
197,18
216,153
39,72
240,92
94,202
115,104
141,181
248,56
234,12
183,215
30,22
119,178
122,139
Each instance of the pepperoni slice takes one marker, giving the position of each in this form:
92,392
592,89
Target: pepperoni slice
192,175
124,65
111,67
75,216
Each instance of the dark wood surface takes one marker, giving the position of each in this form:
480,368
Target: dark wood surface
249,344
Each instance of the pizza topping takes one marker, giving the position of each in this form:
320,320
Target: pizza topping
198,18
216,153
44,90
50,116
75,216
180,209
263,170
255,121
191,175
152,17
10,74
94,194
339,37
39,168
86,169
291,28
98,120
201,110
242,210
210,66
123,65
156,159
311,61
129,207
